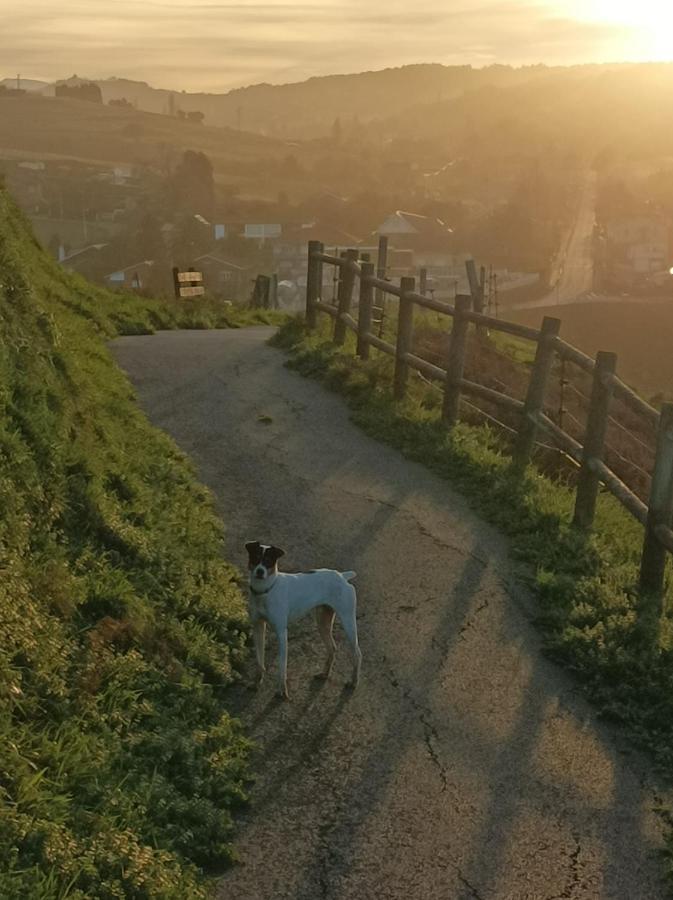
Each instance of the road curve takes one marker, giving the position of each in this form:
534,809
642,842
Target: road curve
465,766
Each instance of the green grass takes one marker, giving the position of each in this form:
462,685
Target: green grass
589,610
120,624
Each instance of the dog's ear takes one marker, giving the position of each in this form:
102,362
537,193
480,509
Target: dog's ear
253,548
275,553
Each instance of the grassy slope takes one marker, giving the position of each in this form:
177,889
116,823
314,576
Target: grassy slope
120,625
588,608
58,128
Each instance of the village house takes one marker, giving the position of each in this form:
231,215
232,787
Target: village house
637,248
86,261
223,278
428,239
132,278
262,232
291,251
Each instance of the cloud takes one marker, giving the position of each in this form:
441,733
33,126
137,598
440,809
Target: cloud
214,45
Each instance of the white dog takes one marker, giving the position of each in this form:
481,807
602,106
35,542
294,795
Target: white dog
279,598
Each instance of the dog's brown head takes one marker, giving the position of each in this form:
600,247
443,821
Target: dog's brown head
263,559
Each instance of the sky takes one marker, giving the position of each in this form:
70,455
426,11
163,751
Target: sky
213,45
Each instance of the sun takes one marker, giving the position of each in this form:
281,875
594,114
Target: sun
644,27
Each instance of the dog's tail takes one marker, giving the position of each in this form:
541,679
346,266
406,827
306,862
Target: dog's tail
348,576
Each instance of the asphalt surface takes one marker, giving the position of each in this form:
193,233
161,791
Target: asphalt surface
465,765
576,263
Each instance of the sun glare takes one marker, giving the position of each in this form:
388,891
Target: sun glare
647,24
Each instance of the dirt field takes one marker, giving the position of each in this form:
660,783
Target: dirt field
641,333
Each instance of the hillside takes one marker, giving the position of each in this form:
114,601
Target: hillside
308,109
63,128
580,110
426,102
120,625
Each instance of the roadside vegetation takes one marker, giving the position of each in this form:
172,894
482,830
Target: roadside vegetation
586,586
120,624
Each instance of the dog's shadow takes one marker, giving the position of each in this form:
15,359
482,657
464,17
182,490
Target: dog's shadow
296,753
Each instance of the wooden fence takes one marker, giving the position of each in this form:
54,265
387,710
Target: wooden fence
656,516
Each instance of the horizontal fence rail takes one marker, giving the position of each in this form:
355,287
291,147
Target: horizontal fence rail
589,455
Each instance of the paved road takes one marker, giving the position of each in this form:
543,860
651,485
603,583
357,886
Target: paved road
465,766
576,263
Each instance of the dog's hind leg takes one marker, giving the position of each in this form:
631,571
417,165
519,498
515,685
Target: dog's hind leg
324,616
259,637
282,665
350,627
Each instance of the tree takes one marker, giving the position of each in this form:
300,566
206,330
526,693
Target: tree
196,116
85,91
149,242
194,184
190,240
336,132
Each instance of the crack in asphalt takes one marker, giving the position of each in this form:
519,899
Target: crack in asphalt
430,733
473,890
323,856
575,881
379,501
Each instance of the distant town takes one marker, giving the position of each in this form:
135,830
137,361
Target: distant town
125,223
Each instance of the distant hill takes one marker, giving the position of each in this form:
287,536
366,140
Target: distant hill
309,108
26,84
64,128
409,97
583,109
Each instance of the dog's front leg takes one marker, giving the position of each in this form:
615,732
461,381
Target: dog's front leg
259,637
282,664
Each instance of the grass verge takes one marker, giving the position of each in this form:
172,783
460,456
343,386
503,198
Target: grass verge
588,604
120,624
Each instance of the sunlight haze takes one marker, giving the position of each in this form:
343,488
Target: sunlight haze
214,46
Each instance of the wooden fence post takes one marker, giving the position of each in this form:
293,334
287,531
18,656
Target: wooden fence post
537,387
594,439
381,272
313,283
405,337
345,295
476,288
366,301
456,361
653,563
